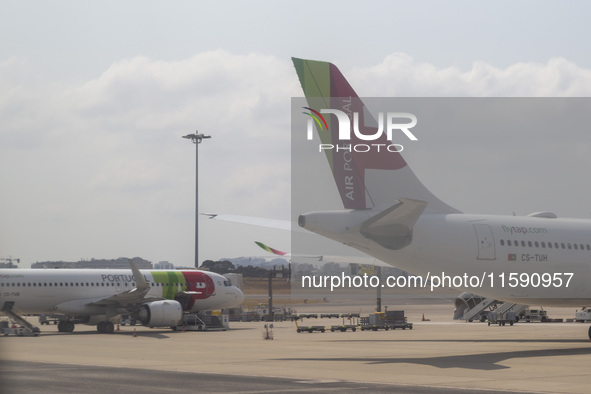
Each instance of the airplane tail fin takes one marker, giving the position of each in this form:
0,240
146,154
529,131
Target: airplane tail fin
270,249
365,179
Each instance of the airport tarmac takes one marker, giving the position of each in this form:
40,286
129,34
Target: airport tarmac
436,356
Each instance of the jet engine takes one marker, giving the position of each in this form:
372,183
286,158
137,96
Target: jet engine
164,313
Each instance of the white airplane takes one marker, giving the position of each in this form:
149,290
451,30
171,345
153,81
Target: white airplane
101,296
390,215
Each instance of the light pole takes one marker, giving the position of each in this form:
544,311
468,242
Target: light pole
196,138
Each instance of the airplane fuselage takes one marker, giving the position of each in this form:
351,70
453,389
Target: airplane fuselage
76,291
528,260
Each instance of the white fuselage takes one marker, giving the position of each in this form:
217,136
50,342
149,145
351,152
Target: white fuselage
528,260
77,291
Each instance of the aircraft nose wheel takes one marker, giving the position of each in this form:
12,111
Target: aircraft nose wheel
590,333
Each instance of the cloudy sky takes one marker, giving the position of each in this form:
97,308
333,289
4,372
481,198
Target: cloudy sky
95,96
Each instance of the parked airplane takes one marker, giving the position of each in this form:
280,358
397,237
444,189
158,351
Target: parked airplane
390,215
538,259
100,296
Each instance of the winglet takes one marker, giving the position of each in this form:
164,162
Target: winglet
140,281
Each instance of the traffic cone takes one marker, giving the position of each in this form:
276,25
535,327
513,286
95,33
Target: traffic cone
118,329
134,333
423,317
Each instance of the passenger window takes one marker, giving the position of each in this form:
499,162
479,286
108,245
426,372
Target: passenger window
529,243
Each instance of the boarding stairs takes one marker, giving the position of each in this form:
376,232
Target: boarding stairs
13,313
505,307
474,312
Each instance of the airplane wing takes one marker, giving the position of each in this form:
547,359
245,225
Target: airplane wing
287,225
262,222
126,298
130,298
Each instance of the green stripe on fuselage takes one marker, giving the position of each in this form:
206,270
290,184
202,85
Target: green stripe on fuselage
170,282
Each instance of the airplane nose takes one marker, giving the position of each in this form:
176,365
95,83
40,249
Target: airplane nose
239,295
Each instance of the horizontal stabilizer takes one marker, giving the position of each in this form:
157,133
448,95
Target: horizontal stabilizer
392,228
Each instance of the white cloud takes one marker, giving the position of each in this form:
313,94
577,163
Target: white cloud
401,75
106,154
97,168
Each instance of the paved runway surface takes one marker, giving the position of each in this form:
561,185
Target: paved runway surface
30,377
437,356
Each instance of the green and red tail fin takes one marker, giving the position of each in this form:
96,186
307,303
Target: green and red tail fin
270,249
372,179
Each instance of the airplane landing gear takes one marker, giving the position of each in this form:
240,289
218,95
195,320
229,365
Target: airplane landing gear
65,326
590,333
105,327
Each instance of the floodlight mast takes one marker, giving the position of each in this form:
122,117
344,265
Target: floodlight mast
196,138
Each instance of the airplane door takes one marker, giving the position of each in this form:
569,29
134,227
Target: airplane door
486,242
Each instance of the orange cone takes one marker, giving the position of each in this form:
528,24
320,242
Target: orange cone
423,317
134,333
